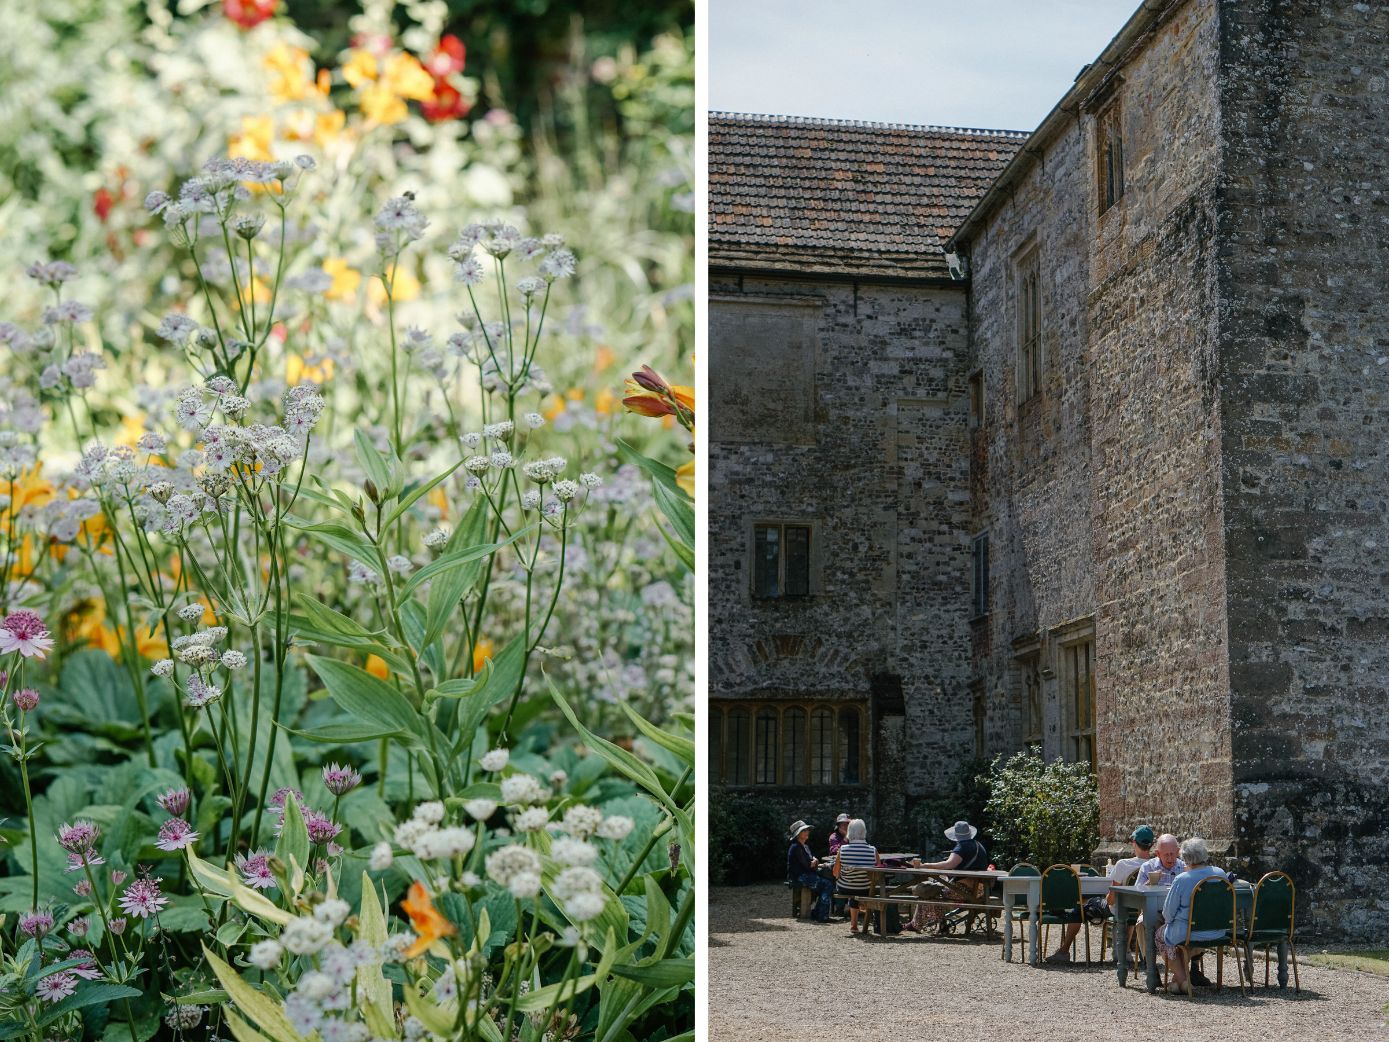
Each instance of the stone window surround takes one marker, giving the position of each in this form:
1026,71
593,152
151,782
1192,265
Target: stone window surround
1044,652
1029,367
815,583
980,599
1109,169
720,710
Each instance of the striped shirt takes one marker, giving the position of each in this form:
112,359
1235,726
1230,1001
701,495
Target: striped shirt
853,859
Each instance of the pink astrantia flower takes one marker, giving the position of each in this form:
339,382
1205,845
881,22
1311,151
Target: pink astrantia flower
320,827
118,924
26,699
86,969
35,924
141,899
175,834
23,631
56,986
255,870
175,801
339,779
79,927
78,860
79,836
83,888
117,877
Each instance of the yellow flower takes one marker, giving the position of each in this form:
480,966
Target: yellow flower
482,651
685,477
149,642
132,429
289,69
440,501
297,370
603,357
28,489
345,280
254,140
605,402
376,666
405,77
328,127
360,68
405,287
555,408
380,105
429,925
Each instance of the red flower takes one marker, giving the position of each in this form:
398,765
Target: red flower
446,104
102,202
249,13
448,57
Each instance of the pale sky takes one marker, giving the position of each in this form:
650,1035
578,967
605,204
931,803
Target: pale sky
1000,64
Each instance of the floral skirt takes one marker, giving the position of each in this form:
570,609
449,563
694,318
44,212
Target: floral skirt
1168,951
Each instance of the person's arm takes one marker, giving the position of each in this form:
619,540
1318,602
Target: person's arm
1172,905
835,871
950,862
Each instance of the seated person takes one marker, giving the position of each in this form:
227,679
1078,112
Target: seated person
1161,870
968,855
1097,908
837,835
854,855
1176,914
801,868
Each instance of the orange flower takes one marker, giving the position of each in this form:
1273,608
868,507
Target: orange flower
482,651
429,925
649,394
685,478
376,666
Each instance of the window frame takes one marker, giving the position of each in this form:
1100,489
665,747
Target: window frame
782,525
1073,677
1030,371
979,575
1109,157
1034,709
793,720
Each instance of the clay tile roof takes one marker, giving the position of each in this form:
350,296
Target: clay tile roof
840,196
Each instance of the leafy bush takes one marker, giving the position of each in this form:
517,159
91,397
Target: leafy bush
747,840
1045,813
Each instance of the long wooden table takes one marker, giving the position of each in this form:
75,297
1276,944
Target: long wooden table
1030,887
882,891
1149,900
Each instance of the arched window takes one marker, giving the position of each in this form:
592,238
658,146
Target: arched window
737,746
793,746
822,746
765,747
849,744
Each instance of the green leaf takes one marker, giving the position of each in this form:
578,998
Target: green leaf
660,472
241,1031
414,495
679,510
685,554
261,1008
373,990
458,559
332,627
293,844
89,993
620,758
370,701
668,973
386,474
505,674
681,747
338,537
541,998
344,734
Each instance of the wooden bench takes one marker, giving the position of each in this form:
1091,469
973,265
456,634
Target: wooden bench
990,910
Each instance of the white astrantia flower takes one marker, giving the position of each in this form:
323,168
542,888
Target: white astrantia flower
581,820
470,271
590,480
191,612
532,819
569,851
331,911
499,431
233,659
381,857
522,789
534,420
432,812
408,833
472,439
530,499
616,827
477,464
502,460
444,843
505,863
163,668
584,907
302,936
494,760
265,955
480,809
576,879
524,885
565,490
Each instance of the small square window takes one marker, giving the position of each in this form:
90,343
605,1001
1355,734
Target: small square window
781,560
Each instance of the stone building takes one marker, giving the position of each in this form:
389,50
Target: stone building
1120,492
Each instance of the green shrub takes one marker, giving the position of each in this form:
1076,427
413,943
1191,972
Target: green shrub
1045,813
747,840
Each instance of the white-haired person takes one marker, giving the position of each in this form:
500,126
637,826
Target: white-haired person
1176,912
855,855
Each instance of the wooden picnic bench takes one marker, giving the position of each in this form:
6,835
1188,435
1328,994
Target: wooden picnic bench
961,892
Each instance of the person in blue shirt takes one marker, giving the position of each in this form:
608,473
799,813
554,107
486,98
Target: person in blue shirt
1176,911
968,855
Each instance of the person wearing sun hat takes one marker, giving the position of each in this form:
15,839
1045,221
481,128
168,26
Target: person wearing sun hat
968,855
1097,908
839,832
800,869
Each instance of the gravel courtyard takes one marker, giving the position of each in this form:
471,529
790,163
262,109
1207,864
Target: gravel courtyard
776,979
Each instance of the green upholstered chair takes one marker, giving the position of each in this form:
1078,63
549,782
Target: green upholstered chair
1271,920
1212,908
1061,902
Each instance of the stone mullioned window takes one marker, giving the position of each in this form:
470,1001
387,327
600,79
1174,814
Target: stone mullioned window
787,743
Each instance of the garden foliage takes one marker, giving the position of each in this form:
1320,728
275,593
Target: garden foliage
1045,813
346,610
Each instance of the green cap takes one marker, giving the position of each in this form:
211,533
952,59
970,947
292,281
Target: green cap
1144,836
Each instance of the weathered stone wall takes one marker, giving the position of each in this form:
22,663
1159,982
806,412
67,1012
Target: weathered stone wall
1304,361
1103,492
880,472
